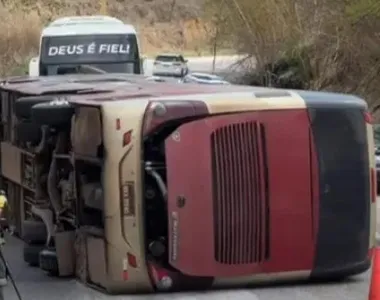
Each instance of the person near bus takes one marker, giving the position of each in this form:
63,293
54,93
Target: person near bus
3,270
3,204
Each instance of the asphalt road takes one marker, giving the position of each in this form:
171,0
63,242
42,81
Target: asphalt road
35,285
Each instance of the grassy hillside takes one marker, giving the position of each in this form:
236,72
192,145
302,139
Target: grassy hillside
162,25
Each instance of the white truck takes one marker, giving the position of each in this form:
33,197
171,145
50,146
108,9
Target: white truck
101,42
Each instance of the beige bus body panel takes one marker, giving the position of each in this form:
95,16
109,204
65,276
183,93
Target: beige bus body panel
239,102
124,230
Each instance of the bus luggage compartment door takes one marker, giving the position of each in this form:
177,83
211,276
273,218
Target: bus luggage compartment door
240,196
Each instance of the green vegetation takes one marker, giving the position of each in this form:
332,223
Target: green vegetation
327,45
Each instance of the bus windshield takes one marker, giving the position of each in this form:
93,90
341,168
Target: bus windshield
113,53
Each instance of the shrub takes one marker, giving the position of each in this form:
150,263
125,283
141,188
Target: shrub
335,43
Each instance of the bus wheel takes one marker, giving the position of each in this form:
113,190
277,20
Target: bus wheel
53,114
28,132
49,261
32,254
23,105
34,232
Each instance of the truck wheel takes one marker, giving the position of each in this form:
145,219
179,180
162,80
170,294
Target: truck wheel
49,261
28,132
23,105
53,113
32,254
34,232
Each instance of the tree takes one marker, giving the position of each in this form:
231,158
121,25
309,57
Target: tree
336,43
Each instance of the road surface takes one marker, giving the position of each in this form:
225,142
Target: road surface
35,285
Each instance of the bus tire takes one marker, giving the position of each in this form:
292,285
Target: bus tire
53,115
34,232
32,254
28,132
49,262
23,105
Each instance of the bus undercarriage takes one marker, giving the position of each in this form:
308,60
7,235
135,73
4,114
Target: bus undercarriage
56,192
52,175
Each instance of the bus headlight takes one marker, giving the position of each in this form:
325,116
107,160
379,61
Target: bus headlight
165,283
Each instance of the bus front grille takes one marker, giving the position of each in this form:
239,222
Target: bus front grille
240,194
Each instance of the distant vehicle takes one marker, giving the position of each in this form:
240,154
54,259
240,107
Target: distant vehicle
103,42
204,78
170,65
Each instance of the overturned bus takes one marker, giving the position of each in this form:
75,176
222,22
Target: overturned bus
134,186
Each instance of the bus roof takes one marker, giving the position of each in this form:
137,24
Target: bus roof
76,20
87,25
95,89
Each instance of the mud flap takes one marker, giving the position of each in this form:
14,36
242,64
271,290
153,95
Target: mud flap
64,245
80,247
97,267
